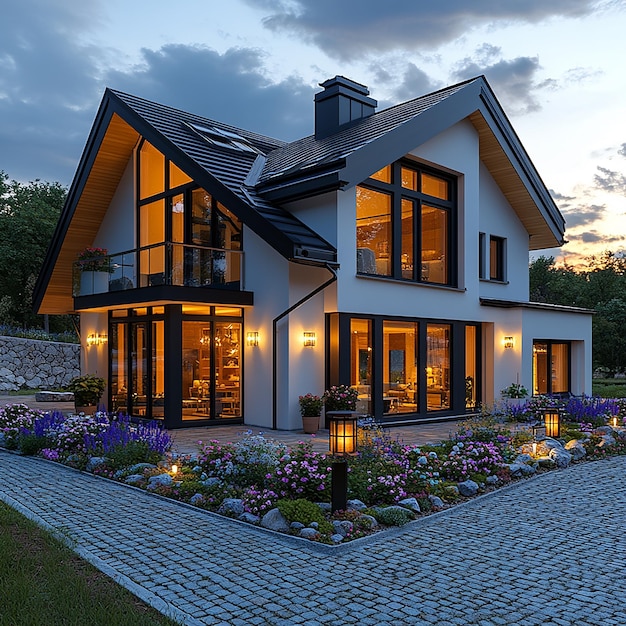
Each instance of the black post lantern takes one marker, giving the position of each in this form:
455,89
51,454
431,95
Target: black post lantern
552,421
342,441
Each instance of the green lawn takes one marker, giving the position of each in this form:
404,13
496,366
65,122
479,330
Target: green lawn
43,582
609,387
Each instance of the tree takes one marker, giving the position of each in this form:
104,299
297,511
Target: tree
29,213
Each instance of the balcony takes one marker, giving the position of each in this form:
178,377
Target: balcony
163,264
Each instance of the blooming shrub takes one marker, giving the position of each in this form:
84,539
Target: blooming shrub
591,409
472,458
14,419
258,502
340,398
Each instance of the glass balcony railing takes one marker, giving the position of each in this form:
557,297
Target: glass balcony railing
160,264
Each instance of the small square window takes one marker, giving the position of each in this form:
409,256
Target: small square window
497,255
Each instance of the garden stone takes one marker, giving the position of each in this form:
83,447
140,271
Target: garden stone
468,488
452,490
296,526
160,480
324,506
576,449
314,525
196,499
411,504
492,479
546,462
606,441
528,470
561,457
211,482
552,444
309,533
133,479
232,507
369,521
524,458
197,469
603,430
93,462
138,468
355,505
274,520
343,527
336,538
436,502
249,518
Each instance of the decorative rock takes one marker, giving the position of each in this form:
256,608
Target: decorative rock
160,480
309,533
453,490
576,449
138,468
314,525
492,479
524,458
436,502
274,520
356,505
552,444
336,538
296,526
324,506
369,521
468,488
196,499
606,441
93,462
249,518
561,457
210,482
603,430
343,527
412,504
133,479
232,507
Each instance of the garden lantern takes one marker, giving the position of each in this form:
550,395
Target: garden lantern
552,421
614,421
174,469
539,431
342,441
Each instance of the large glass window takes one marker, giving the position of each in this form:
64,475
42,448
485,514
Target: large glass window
400,357
361,362
438,347
405,225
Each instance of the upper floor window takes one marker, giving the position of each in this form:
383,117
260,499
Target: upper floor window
405,222
496,258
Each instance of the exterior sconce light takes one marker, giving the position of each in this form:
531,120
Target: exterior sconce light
342,441
95,339
552,421
508,342
252,339
309,339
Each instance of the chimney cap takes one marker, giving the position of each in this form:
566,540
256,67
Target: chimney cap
342,81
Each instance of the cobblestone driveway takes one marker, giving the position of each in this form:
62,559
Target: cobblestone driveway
549,550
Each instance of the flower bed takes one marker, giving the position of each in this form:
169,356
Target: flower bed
264,482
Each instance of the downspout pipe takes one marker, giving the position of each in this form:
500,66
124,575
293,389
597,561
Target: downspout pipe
275,321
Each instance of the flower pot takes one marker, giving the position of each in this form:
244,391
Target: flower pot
310,424
93,282
88,409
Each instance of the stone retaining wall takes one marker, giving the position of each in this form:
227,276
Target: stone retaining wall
32,364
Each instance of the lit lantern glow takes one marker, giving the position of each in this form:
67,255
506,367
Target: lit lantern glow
174,469
252,339
552,421
508,342
342,438
309,339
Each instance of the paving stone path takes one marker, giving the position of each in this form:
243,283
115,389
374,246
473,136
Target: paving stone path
549,550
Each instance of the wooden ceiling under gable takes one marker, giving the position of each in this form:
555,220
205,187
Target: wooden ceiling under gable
103,177
495,159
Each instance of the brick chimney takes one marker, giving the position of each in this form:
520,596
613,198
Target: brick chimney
342,101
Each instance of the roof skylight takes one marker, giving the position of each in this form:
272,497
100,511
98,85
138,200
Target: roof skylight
222,138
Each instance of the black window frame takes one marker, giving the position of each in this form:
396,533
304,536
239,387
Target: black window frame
497,270
397,193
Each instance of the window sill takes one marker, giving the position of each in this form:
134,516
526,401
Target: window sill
494,282
411,283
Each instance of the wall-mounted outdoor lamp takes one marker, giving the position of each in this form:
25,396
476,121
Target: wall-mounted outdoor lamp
252,339
342,441
309,339
95,339
552,421
508,342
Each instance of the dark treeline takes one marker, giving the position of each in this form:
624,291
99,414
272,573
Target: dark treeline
600,286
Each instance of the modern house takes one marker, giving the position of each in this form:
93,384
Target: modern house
388,251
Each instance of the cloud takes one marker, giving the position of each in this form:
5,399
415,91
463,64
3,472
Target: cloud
351,29
512,80
622,150
583,215
610,180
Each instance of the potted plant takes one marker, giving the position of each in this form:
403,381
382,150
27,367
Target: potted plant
87,390
310,410
516,392
95,266
340,398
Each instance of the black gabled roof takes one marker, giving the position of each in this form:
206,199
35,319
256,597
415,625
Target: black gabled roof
224,172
